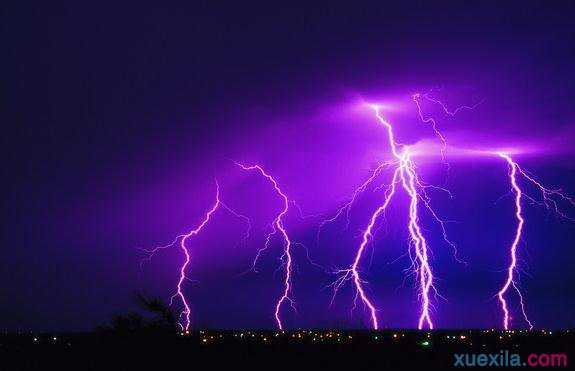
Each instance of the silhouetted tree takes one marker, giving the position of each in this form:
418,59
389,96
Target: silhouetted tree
163,315
161,319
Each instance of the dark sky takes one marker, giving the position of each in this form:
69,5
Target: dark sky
116,118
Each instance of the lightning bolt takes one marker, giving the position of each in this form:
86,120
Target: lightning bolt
405,174
510,281
430,120
405,177
182,240
447,111
515,171
278,225
353,271
345,209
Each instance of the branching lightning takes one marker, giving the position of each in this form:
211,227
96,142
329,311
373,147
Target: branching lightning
405,178
183,239
278,225
353,271
515,171
430,120
405,174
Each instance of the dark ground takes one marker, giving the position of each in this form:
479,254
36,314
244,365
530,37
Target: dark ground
354,350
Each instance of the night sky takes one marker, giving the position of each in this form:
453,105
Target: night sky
117,118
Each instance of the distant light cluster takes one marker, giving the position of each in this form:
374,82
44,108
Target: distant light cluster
423,338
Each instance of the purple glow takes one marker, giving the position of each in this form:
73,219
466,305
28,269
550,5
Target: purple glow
406,173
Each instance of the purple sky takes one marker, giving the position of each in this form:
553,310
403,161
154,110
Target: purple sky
118,121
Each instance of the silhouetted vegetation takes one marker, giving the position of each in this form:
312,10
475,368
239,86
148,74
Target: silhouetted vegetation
147,346
158,318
